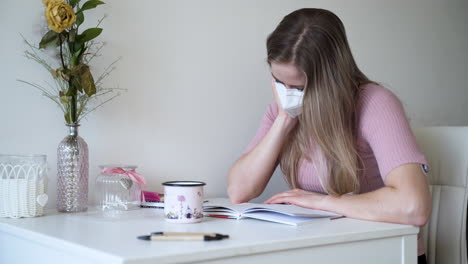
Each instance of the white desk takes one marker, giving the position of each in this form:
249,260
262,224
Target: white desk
91,237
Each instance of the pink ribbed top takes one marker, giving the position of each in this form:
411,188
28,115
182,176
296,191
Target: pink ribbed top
385,142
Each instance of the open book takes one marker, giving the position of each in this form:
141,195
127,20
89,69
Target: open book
280,213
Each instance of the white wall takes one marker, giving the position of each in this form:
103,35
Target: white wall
198,83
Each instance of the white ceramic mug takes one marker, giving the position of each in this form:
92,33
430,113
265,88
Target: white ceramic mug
183,201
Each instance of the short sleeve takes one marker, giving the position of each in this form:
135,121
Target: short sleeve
383,124
265,125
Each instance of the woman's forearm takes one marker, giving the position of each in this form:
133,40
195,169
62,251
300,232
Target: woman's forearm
250,174
386,204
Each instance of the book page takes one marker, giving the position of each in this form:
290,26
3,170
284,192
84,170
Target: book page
225,205
289,209
280,218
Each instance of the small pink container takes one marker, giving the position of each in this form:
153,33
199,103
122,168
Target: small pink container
183,201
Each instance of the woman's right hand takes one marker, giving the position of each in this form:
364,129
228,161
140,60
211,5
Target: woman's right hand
250,174
283,117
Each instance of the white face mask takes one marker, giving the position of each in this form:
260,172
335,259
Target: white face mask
291,99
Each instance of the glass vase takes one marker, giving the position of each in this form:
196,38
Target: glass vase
116,191
72,172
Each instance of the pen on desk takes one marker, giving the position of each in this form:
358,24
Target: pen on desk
219,216
182,234
175,236
337,217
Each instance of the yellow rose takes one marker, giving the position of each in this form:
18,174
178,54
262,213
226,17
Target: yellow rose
59,15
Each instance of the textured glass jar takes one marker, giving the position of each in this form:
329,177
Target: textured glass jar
116,191
72,173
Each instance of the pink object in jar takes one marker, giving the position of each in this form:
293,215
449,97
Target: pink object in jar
183,201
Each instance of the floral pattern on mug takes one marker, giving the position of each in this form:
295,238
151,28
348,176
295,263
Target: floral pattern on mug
183,201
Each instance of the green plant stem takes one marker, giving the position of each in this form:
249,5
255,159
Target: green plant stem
61,53
73,97
73,109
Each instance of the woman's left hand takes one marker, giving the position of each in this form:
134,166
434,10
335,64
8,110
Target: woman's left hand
300,198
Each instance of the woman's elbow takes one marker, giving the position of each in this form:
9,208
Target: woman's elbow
240,193
420,220
421,213
234,195
242,186
234,191
236,199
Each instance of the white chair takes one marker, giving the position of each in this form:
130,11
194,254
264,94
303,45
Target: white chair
446,149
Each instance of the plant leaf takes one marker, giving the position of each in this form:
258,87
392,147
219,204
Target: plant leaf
89,34
87,82
67,118
75,59
75,46
65,71
79,18
82,79
90,5
72,35
75,77
74,2
50,38
65,99
63,36
72,89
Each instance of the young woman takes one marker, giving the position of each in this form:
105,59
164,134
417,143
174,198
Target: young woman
343,141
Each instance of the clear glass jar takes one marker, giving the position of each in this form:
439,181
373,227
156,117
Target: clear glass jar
116,191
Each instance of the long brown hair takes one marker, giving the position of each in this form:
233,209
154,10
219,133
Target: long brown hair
314,40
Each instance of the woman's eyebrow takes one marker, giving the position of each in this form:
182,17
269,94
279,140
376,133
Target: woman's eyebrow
299,86
276,78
